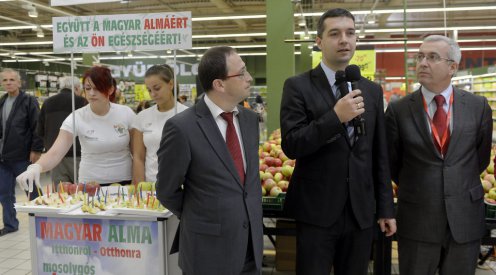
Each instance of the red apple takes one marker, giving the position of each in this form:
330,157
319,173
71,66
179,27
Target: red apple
277,162
266,147
64,187
287,170
70,188
276,190
278,177
91,188
266,175
271,170
290,162
283,184
283,157
268,184
269,161
263,167
264,155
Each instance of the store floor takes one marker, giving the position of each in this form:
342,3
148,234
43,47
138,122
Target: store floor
15,255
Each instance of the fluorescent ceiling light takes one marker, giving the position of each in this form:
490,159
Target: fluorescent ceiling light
39,33
302,22
236,47
33,12
26,43
233,17
438,29
17,28
413,10
22,60
229,35
362,12
370,18
400,50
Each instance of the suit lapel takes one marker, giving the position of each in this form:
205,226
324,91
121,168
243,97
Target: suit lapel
419,116
321,83
209,127
458,121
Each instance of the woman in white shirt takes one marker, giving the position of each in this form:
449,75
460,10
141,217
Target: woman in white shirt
148,124
104,130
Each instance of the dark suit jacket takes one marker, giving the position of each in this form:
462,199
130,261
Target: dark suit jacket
435,192
53,112
328,170
216,211
20,138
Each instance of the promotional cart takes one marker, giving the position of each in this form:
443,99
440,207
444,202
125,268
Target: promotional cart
116,241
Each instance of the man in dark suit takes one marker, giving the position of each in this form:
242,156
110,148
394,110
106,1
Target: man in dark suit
341,181
208,173
440,142
53,112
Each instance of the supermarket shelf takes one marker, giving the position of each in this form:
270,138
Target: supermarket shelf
484,81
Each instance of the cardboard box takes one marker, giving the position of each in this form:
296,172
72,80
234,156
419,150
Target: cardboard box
285,248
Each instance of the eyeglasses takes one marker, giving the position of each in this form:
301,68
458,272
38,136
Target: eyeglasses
432,58
242,75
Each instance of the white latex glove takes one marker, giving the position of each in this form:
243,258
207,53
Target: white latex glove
30,177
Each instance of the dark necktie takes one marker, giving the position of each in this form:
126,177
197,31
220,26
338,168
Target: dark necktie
232,142
440,122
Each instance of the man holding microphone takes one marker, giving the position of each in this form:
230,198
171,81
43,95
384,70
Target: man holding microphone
341,184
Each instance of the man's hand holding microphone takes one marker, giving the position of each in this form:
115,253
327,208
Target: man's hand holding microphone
350,105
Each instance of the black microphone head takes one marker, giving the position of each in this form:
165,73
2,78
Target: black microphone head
340,77
353,73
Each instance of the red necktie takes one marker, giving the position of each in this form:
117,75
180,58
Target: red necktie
440,123
232,142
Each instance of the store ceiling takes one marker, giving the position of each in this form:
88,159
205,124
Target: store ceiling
15,41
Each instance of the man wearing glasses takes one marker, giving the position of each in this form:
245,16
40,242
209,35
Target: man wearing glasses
208,173
439,143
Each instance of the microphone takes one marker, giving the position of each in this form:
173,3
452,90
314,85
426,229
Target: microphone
341,83
353,75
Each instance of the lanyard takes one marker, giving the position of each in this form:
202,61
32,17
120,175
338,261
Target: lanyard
439,142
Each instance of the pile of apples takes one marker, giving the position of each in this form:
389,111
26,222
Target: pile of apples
489,182
276,168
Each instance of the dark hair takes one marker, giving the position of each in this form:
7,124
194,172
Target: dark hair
330,14
164,71
144,104
103,80
213,65
259,99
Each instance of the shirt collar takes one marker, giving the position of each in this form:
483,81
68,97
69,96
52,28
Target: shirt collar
216,110
429,96
330,74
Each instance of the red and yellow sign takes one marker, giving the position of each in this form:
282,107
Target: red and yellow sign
365,59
